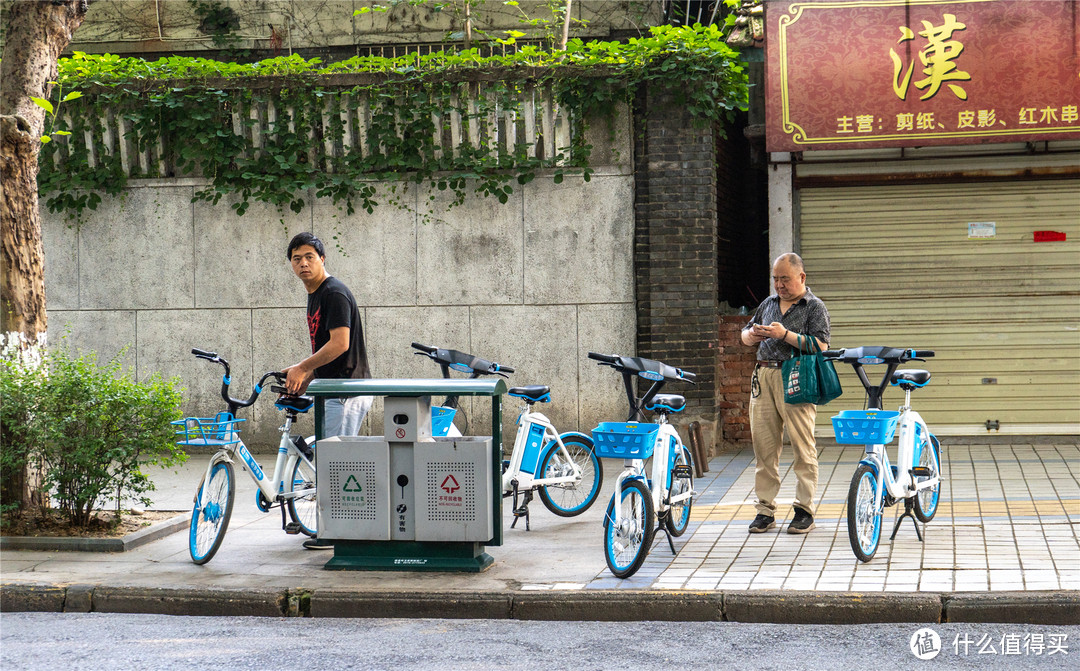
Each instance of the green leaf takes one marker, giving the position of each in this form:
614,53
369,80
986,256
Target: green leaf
43,104
72,96
45,139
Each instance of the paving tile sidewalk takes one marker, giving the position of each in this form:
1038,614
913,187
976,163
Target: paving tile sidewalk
1009,521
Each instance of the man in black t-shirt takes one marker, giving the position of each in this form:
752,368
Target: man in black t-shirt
337,338
337,344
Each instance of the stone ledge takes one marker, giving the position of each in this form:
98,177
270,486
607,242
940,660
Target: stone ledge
131,541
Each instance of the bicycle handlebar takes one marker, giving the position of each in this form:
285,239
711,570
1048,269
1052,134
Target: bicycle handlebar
461,362
646,368
877,355
235,403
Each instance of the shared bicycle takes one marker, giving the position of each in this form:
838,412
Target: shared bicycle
643,505
291,487
561,467
877,484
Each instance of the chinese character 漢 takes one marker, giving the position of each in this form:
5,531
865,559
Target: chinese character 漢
925,121
843,124
1027,115
937,59
1069,114
965,119
905,121
864,123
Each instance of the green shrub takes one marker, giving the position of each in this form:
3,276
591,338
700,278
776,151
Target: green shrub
20,436
93,427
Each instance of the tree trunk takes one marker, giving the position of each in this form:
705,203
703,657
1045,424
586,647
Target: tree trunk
37,32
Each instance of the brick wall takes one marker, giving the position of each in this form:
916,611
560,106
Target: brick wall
736,365
675,250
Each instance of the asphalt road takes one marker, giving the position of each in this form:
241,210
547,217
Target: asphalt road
50,641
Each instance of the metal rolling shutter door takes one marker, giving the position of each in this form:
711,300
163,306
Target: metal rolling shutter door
895,267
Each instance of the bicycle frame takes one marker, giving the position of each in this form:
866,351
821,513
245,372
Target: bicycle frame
914,435
665,453
535,432
271,488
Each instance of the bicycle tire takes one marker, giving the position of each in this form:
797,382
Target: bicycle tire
304,510
926,500
625,548
210,521
575,498
677,518
864,526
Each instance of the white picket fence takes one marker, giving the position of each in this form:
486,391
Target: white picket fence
533,121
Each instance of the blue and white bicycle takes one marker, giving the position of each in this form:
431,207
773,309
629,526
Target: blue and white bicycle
640,505
291,487
561,467
915,479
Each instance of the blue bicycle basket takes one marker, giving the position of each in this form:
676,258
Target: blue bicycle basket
441,419
865,427
624,440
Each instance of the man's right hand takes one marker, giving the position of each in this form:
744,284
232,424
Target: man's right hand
297,379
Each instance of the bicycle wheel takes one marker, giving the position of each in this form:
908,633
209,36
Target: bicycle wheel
927,499
678,514
627,544
572,498
210,520
864,524
304,510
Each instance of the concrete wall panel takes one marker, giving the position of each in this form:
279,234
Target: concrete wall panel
607,329
105,332
279,338
60,239
540,343
137,252
470,255
373,254
165,341
240,260
579,240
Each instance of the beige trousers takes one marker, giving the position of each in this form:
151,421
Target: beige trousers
769,415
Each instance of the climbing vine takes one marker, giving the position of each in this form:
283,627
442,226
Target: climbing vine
199,117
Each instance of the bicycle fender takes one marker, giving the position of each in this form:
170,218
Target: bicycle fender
585,438
873,466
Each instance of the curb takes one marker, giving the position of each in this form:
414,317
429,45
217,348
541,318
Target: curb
832,608
1013,608
131,541
1048,608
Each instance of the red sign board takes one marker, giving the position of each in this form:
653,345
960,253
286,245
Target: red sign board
901,73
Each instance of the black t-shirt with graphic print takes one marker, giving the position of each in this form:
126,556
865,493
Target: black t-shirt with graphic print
331,306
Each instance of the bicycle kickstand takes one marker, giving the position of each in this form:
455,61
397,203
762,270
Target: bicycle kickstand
907,513
663,527
291,528
523,509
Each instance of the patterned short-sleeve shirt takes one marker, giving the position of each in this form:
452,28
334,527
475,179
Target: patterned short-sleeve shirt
807,316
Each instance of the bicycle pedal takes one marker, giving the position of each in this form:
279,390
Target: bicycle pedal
521,512
682,471
921,471
292,528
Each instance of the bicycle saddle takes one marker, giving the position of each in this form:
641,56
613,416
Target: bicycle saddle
666,403
913,377
297,403
534,393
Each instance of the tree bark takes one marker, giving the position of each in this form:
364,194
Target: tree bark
37,32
